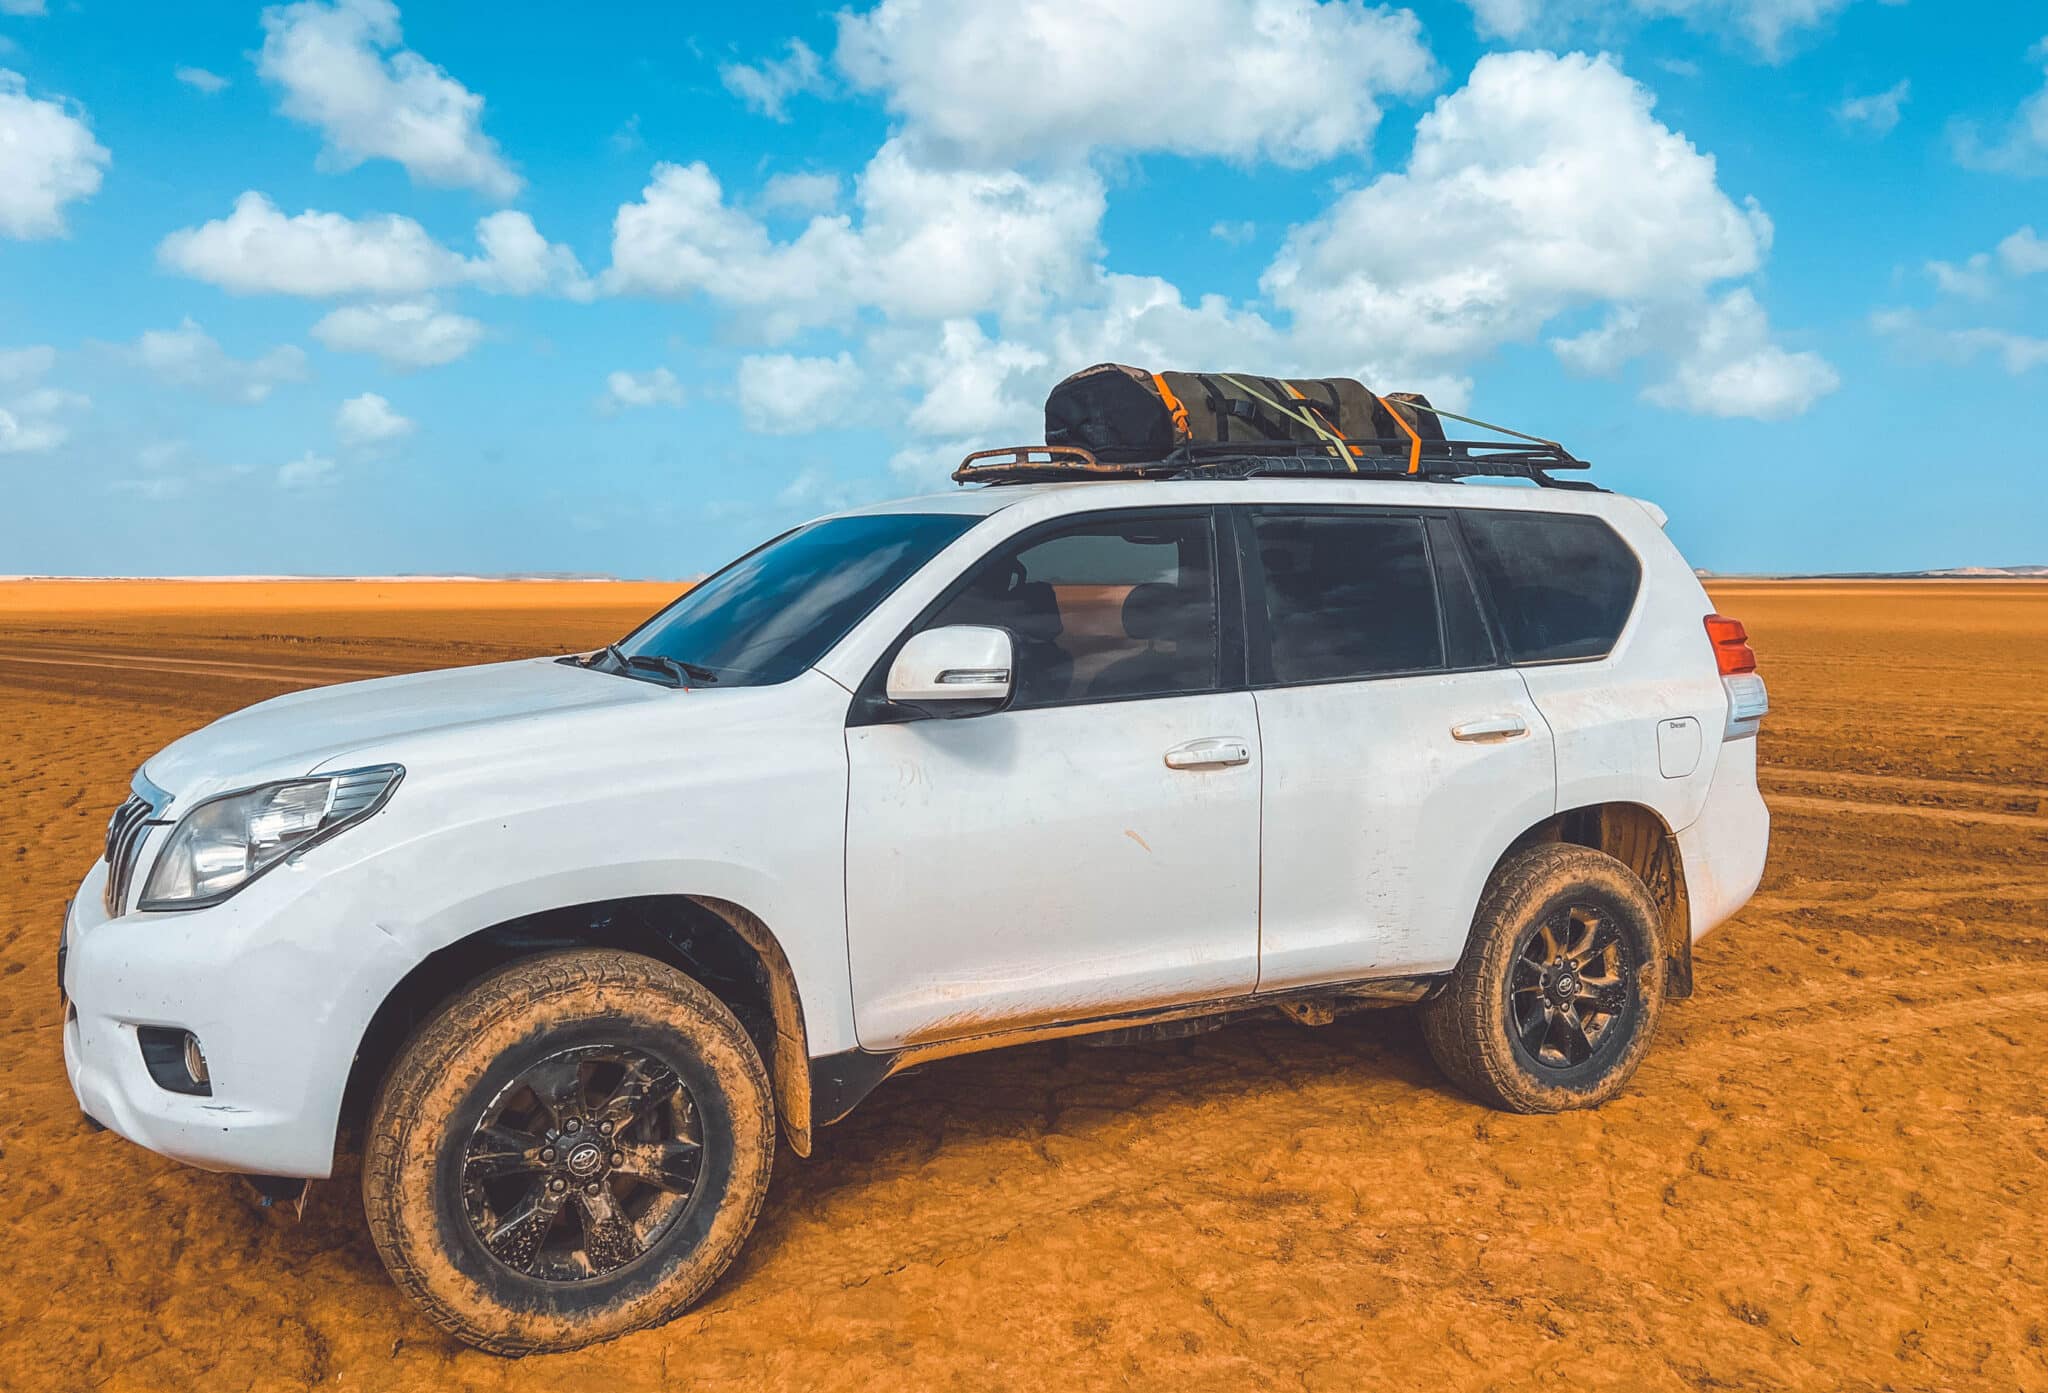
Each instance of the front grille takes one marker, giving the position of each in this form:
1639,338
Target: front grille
126,830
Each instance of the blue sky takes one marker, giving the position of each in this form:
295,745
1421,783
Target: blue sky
343,288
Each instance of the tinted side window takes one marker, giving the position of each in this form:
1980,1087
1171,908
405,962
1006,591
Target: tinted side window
1346,596
1102,609
1465,633
1562,587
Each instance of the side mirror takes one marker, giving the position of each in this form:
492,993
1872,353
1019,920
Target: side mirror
958,670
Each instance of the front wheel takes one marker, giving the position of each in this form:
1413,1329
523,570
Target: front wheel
573,1148
1557,997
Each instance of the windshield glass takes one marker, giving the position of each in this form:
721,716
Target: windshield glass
778,609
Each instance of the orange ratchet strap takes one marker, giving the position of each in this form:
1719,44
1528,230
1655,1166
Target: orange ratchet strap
1181,429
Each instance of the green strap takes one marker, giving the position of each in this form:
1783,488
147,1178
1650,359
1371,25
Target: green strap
1483,425
1303,417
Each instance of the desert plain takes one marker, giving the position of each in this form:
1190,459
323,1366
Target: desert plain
1831,1173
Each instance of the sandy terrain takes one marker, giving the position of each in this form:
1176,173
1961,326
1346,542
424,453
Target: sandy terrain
1831,1173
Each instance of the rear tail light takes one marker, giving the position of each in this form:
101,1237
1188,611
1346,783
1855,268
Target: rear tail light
1731,645
1748,700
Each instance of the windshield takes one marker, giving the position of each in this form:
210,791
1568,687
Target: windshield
778,609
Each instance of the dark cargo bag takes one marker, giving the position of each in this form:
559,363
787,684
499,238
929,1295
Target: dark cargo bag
1124,414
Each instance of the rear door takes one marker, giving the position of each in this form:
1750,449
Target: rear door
1401,756
1094,847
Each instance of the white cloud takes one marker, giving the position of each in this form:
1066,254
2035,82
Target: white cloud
973,386
1503,19
1765,25
1290,80
32,420
1981,277
1543,185
188,356
48,158
22,7
256,250
1731,368
1972,280
1879,112
766,87
307,471
1235,234
626,390
801,193
369,420
2022,147
2024,253
2017,353
780,394
404,333
26,364
342,69
930,244
519,261
201,79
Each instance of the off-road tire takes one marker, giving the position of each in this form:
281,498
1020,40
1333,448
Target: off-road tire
458,1060
1469,1024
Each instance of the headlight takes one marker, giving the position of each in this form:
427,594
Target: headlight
228,841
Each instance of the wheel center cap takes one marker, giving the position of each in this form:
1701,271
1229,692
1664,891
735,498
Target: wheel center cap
1565,987
585,1159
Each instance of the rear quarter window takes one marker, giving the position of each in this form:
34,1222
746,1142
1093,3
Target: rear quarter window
1562,585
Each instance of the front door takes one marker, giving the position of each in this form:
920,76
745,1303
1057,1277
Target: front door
1092,849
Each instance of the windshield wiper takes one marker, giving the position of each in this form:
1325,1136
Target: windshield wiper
684,673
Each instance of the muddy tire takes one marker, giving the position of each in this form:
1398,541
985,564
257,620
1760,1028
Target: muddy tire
1556,999
573,1148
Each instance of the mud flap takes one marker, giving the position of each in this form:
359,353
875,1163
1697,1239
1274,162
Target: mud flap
1678,972
282,1193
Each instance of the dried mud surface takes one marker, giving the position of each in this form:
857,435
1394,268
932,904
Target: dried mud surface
1832,1171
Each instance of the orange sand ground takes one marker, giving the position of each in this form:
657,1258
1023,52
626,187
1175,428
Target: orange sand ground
1832,1172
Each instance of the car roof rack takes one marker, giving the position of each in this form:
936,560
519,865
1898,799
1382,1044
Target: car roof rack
1431,460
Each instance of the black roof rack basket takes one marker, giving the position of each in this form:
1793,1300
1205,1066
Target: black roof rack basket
1367,459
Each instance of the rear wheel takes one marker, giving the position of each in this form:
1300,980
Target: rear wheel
1558,994
574,1148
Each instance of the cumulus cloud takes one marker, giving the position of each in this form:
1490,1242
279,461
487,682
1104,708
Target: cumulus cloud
624,391
780,394
25,364
1972,279
369,420
767,87
1730,367
1877,113
404,333
257,249
1767,26
48,158
188,356
1544,185
801,193
2024,253
342,68
201,80
929,244
2017,353
2021,147
33,416
307,471
1289,80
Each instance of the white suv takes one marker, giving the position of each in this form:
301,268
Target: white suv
570,940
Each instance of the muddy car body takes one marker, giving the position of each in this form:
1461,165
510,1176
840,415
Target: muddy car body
910,781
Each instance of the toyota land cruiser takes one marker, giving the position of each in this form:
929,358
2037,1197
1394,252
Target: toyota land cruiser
569,942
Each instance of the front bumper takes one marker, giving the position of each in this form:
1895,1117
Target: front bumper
278,1011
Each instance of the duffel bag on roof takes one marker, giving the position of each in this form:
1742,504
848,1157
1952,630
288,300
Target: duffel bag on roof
1123,414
